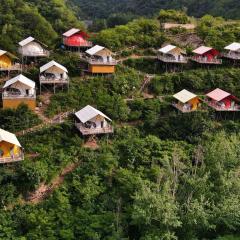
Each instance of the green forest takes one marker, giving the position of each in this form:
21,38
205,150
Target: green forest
162,174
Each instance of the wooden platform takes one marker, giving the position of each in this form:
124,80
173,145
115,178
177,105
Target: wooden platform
11,159
206,61
93,131
172,60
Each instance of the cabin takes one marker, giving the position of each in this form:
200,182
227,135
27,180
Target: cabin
220,100
10,148
19,90
232,51
186,101
9,62
172,54
76,39
206,55
100,60
30,47
53,74
91,121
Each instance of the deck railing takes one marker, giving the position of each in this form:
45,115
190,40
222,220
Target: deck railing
204,60
101,62
235,56
47,80
184,108
172,59
6,95
43,53
92,131
15,67
14,158
219,107
82,44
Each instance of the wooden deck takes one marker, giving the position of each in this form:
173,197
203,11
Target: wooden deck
172,60
11,159
231,56
13,96
104,63
53,80
183,109
218,108
206,61
93,131
16,67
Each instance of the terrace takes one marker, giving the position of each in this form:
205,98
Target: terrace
91,131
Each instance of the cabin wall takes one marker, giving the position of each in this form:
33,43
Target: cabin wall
194,102
14,103
22,88
5,61
7,147
98,120
101,69
31,48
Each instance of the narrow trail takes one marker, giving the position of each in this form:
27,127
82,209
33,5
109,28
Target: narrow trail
45,190
57,119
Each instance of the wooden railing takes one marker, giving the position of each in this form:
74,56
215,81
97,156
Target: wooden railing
235,56
17,96
43,53
47,80
15,158
204,60
15,67
92,131
219,107
101,62
172,59
183,108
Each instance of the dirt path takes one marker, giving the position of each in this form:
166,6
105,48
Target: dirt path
46,190
120,60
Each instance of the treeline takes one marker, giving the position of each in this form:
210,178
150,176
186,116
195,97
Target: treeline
44,20
104,8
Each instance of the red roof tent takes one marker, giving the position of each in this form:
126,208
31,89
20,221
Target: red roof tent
208,52
76,38
218,95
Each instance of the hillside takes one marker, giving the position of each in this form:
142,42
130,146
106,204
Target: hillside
41,19
104,8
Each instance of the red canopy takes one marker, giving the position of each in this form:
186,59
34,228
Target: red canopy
77,40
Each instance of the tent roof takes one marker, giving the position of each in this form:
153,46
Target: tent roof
202,50
88,113
167,49
94,50
9,137
184,96
2,52
51,64
233,46
29,40
22,79
70,32
218,94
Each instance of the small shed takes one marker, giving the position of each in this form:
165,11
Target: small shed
19,90
10,148
76,38
91,121
53,73
8,62
100,60
30,47
232,51
221,100
186,101
172,54
206,55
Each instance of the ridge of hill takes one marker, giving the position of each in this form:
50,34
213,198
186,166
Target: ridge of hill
103,8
